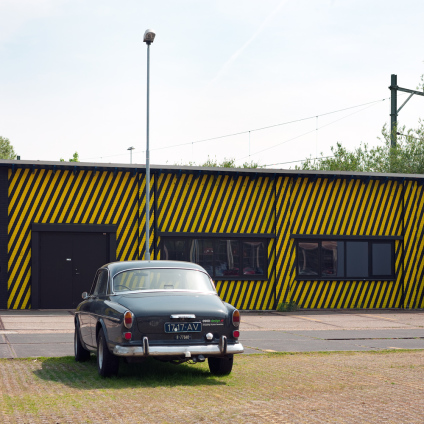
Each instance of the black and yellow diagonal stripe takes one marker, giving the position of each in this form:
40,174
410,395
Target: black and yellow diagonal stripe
222,204
229,203
347,207
84,197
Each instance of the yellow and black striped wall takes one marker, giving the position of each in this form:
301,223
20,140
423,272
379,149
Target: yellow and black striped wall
281,206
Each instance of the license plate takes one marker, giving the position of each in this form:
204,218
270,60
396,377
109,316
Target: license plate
183,327
182,337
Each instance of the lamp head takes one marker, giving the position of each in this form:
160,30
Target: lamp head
149,36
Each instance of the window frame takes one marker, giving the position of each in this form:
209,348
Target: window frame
215,239
369,240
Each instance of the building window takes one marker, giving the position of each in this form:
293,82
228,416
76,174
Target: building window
222,258
346,259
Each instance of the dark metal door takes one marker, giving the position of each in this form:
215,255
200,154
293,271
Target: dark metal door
55,270
90,252
68,263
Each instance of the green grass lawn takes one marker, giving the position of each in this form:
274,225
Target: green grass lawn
302,387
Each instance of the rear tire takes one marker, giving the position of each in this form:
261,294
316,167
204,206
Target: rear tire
81,353
221,366
107,363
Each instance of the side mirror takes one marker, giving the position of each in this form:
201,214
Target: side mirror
84,295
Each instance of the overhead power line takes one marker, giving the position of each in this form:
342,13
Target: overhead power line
300,160
369,104
309,132
269,126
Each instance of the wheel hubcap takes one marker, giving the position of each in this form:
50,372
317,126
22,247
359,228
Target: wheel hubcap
100,353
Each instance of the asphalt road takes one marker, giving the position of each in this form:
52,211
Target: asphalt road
50,333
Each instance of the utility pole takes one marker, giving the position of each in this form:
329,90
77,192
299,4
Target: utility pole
394,111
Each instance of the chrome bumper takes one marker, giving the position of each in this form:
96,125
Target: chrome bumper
187,351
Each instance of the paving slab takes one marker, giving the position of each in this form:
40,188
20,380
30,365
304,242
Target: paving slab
359,334
305,346
31,325
278,322
272,335
43,338
50,333
331,320
37,312
330,345
36,318
37,350
393,344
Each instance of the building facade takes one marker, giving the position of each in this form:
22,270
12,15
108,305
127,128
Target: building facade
319,239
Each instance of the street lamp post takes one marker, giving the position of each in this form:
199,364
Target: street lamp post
149,36
131,149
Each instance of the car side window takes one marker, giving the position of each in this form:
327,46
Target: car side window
93,286
101,283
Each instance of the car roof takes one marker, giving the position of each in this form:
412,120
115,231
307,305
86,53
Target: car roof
116,267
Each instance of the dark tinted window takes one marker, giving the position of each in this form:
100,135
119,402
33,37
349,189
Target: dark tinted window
253,258
308,258
345,259
227,258
382,259
357,259
332,253
201,252
221,258
175,250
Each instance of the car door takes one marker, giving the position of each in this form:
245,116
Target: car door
97,304
85,317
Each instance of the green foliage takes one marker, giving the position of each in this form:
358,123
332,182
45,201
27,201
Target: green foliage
75,158
406,158
226,163
6,149
421,84
288,306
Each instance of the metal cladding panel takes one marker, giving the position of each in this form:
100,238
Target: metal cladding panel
413,294
201,203
232,204
345,208
65,197
3,237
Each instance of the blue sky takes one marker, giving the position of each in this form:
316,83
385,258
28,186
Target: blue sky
73,77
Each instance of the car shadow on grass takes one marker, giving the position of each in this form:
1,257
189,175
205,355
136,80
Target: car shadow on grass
151,373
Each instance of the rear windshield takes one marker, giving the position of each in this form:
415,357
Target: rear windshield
162,279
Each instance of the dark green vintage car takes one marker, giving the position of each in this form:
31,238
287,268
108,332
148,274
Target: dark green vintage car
167,310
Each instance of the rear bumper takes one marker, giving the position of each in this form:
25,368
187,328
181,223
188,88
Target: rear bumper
183,350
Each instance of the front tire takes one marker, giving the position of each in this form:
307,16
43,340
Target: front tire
81,353
221,366
107,363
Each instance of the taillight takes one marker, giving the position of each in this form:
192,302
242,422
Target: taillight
236,334
128,319
236,318
127,335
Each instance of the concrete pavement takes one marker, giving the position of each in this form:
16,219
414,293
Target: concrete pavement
33,333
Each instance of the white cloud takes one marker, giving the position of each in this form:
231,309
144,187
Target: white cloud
237,53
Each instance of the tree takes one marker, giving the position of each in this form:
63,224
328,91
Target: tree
226,163
406,158
75,158
6,149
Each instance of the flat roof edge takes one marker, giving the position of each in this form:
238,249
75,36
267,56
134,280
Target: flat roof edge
35,164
